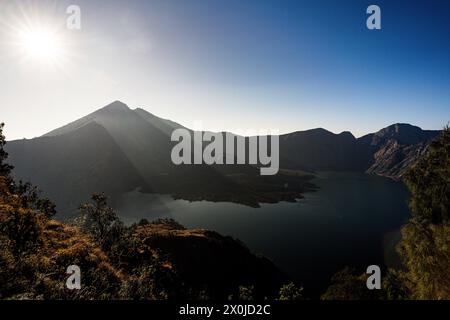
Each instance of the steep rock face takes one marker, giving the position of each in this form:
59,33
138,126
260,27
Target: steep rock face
403,133
394,160
395,149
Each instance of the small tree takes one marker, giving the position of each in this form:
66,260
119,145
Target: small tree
30,198
100,221
291,292
5,169
246,293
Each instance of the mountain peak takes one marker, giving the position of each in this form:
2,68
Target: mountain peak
114,109
403,133
116,105
397,127
347,135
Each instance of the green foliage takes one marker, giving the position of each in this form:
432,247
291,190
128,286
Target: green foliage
394,286
30,198
23,230
425,250
425,244
5,169
291,292
34,252
347,285
100,221
246,293
429,182
150,282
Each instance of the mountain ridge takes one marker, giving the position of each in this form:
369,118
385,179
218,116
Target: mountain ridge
143,146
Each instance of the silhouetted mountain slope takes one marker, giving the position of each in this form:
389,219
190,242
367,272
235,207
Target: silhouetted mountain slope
146,146
165,126
319,149
142,141
71,166
146,141
116,149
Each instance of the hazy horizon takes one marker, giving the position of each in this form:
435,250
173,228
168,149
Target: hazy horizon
192,125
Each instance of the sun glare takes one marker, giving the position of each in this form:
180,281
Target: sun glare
41,44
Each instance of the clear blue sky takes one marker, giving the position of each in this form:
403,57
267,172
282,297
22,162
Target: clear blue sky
288,65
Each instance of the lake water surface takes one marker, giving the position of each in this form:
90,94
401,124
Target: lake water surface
352,220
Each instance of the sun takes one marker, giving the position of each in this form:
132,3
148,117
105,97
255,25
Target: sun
38,37
41,44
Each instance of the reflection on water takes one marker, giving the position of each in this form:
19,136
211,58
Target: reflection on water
348,221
